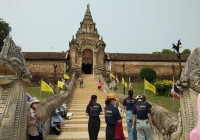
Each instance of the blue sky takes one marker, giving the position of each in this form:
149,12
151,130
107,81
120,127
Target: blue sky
133,26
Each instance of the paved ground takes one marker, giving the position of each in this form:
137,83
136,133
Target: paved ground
76,128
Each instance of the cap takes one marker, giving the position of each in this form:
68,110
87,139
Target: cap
112,96
139,97
34,100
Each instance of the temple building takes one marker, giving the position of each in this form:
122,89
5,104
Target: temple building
86,54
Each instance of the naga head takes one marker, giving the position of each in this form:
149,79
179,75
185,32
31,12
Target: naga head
190,76
12,63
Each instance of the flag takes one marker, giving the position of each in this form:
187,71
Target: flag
46,87
117,79
149,86
60,84
28,97
175,91
124,82
66,76
112,75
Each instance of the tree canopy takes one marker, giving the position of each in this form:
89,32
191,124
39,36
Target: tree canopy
167,51
186,51
4,31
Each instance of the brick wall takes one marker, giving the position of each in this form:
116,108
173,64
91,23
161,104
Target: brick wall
44,69
132,68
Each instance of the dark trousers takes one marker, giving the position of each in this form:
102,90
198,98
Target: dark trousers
56,129
93,127
110,132
40,137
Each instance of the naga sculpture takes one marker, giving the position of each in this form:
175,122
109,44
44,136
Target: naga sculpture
13,74
13,105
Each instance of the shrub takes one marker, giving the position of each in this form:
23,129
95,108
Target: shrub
163,88
148,73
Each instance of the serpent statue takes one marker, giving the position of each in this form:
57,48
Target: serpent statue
13,105
13,75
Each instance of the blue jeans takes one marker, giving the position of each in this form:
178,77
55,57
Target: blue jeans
129,121
143,128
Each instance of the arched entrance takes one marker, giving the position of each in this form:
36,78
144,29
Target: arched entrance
87,61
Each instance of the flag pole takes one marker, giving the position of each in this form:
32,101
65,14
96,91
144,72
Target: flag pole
40,88
173,94
144,86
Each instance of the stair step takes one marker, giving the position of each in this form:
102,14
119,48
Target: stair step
78,136
85,121
82,127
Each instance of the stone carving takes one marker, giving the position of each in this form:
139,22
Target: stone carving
13,104
168,126
13,74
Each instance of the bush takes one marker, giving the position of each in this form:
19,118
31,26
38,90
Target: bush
148,73
163,88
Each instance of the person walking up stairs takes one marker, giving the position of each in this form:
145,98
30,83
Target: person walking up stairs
77,127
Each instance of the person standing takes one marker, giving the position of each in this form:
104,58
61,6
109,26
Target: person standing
33,121
99,84
112,116
144,120
128,103
93,110
80,79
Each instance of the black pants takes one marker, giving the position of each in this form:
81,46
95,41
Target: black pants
40,137
110,132
93,127
56,129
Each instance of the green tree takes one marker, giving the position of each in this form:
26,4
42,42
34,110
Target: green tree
186,51
167,51
148,73
4,31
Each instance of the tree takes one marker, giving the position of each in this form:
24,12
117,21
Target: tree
4,31
186,51
148,73
167,51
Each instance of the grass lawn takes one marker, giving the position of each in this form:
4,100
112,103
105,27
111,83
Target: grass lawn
164,101
35,92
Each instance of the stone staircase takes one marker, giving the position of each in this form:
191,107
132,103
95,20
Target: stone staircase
77,127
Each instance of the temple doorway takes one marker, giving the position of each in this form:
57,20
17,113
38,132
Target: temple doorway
87,61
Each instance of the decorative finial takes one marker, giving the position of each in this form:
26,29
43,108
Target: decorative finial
101,38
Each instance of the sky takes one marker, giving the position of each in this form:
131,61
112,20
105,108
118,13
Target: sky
128,26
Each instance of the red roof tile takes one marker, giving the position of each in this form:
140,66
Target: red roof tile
44,55
145,57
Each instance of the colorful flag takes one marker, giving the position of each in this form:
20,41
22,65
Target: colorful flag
46,87
60,84
175,91
66,76
149,86
28,97
112,75
124,82
117,79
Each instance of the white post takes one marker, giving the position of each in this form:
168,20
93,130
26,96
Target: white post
173,94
